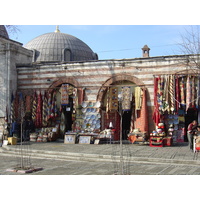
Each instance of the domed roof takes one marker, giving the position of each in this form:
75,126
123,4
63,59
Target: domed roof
3,32
57,46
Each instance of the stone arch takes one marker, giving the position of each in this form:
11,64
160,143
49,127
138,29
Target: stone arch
116,78
60,81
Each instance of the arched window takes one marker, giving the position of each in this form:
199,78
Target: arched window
66,55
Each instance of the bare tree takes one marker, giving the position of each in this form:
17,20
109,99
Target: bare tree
12,29
190,46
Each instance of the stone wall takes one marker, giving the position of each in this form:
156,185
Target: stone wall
11,55
95,76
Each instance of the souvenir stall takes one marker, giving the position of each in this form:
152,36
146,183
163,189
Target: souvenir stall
176,104
127,102
55,114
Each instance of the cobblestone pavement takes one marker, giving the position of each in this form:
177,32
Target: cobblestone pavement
57,167
58,158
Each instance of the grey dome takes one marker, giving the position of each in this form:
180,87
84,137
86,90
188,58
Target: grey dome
3,32
56,47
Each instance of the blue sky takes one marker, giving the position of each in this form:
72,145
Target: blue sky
114,41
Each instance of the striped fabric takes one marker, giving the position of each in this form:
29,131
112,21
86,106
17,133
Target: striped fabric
44,110
188,93
12,113
34,107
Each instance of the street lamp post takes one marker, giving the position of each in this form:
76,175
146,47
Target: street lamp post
121,168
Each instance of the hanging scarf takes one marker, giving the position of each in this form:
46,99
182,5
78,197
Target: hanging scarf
193,92
38,120
107,102
54,106
28,103
177,93
166,94
142,120
138,98
21,110
12,113
34,107
49,106
182,91
188,93
132,120
16,106
156,114
171,93
44,110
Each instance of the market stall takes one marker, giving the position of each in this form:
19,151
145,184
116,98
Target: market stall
176,101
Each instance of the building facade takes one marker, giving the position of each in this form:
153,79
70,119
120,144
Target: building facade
49,62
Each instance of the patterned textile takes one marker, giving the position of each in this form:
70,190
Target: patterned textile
188,93
171,93
182,91
54,109
177,93
156,114
132,125
28,103
38,120
107,101
138,98
142,120
193,91
64,94
62,123
166,94
160,92
12,113
44,110
49,102
16,105
34,107
126,96
21,110
113,98
74,103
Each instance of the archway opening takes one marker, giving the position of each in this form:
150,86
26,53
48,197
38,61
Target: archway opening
64,102
111,107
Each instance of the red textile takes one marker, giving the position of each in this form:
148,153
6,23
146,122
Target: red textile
156,114
38,122
28,103
177,93
142,120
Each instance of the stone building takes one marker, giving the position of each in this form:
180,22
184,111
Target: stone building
52,60
12,54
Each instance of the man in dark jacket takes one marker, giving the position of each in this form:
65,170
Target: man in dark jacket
190,133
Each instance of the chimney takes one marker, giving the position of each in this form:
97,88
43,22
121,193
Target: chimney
145,51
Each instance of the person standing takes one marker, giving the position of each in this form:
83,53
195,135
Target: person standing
190,133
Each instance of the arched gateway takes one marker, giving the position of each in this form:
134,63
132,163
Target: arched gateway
133,104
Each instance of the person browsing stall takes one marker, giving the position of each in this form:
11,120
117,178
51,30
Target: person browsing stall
190,133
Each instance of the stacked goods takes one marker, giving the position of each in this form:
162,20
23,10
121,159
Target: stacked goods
156,137
159,131
33,137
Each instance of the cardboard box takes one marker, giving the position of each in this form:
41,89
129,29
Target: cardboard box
12,140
